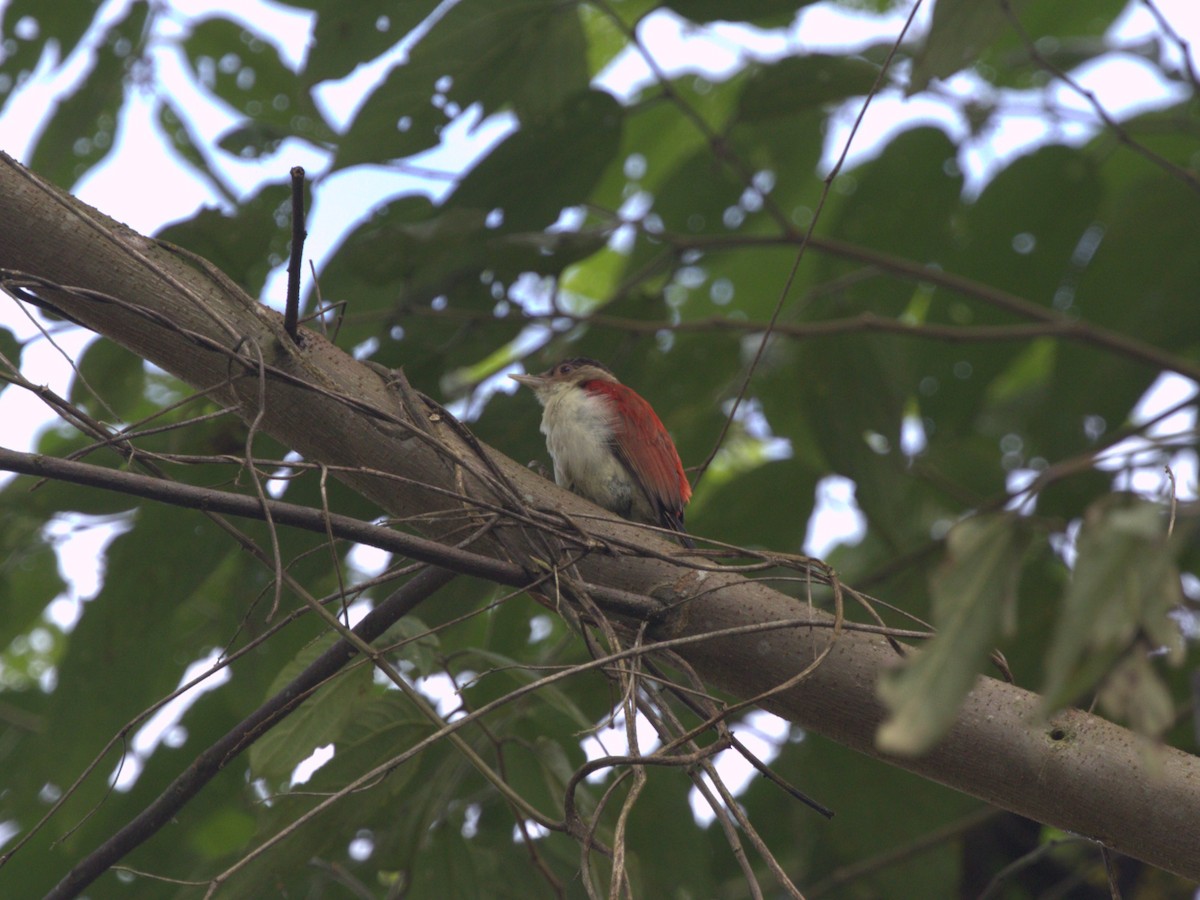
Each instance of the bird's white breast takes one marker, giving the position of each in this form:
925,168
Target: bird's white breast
579,430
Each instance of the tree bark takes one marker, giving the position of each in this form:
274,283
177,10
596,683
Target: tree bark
1077,772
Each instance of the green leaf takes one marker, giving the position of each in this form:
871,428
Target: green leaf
529,54
959,34
545,166
10,353
111,381
319,720
1139,282
888,807
1066,37
29,577
1124,586
1134,692
734,509
509,673
223,833
164,601
245,244
84,125
247,73
991,390
253,140
972,590
379,731
656,141
186,144
347,35
796,83
764,13
965,33
50,23
452,870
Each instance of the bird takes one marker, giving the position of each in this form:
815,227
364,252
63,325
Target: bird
608,445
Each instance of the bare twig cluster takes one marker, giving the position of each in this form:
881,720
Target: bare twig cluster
616,626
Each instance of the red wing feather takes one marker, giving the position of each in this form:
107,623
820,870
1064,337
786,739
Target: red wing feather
647,451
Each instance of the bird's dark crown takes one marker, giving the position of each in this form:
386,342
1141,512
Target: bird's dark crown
578,362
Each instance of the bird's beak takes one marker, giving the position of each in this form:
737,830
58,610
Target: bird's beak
530,381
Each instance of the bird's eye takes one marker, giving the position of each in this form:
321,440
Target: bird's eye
564,368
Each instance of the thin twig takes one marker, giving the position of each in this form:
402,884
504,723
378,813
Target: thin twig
804,242
1175,171
218,755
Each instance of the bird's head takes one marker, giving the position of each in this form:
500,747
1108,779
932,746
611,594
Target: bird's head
565,375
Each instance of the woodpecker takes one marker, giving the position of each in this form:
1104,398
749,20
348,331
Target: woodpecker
608,445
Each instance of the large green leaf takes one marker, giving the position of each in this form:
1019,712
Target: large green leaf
887,809
111,382
10,351
29,580
1124,587
765,13
547,165
797,83
83,128
345,36
1066,38
28,26
245,243
246,72
319,720
1131,281
528,54
984,35
981,394
973,591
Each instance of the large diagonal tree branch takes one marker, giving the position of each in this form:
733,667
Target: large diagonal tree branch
1076,772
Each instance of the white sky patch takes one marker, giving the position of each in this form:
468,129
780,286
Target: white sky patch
369,561
443,693
913,440
81,545
8,830
277,485
1017,480
610,740
836,517
164,726
1149,477
534,830
24,414
308,766
361,848
1064,544
355,612
540,627
763,734
471,816
156,173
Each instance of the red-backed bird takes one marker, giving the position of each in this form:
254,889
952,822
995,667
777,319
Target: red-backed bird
608,445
